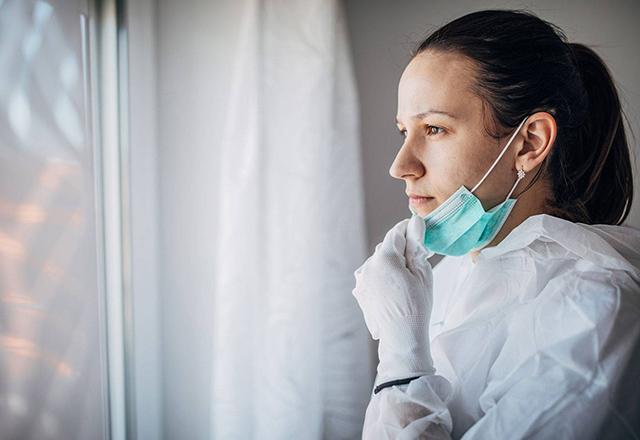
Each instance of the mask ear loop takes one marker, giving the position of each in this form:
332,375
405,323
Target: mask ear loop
521,175
500,156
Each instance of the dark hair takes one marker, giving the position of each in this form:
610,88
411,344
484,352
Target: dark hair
525,65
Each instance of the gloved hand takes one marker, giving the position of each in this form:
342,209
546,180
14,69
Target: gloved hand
394,289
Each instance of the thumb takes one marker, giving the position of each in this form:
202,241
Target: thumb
415,253
415,229
394,240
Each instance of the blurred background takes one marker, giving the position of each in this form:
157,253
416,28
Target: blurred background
185,191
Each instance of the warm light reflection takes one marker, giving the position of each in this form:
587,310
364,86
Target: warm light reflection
17,299
33,214
28,349
13,342
64,369
65,169
30,213
53,270
12,247
77,218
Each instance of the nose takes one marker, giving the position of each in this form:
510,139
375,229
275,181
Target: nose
406,164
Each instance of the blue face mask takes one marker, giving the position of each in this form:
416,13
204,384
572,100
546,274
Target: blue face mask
460,224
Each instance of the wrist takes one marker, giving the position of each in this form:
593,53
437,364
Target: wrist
404,349
384,385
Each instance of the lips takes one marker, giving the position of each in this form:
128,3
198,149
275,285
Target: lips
417,200
418,196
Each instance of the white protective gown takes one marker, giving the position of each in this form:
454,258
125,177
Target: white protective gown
539,339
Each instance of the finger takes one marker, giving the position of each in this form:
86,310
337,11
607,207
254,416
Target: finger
395,240
416,253
415,229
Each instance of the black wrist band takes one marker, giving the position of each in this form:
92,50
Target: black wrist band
393,382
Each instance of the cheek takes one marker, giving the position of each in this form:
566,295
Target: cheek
474,163
459,165
446,173
494,184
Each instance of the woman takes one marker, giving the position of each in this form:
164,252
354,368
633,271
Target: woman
529,327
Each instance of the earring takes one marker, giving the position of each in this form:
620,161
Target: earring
520,177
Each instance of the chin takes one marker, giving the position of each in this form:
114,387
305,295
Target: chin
423,212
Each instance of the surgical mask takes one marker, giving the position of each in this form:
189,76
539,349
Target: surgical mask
460,224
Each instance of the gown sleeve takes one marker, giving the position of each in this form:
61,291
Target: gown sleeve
576,380
411,411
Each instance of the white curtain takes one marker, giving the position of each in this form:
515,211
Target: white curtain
292,356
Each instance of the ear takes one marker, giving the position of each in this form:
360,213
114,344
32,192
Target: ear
539,135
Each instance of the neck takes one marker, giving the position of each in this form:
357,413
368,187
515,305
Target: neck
530,203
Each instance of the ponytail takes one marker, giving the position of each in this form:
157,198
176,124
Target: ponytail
595,185
526,65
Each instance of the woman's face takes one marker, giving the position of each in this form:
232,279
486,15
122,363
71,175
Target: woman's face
445,142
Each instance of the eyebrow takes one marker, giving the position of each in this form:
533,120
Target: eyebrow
422,115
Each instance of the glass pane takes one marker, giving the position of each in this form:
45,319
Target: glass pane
51,326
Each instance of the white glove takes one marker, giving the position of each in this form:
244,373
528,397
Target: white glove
394,289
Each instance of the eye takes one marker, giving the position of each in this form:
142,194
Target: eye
433,130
